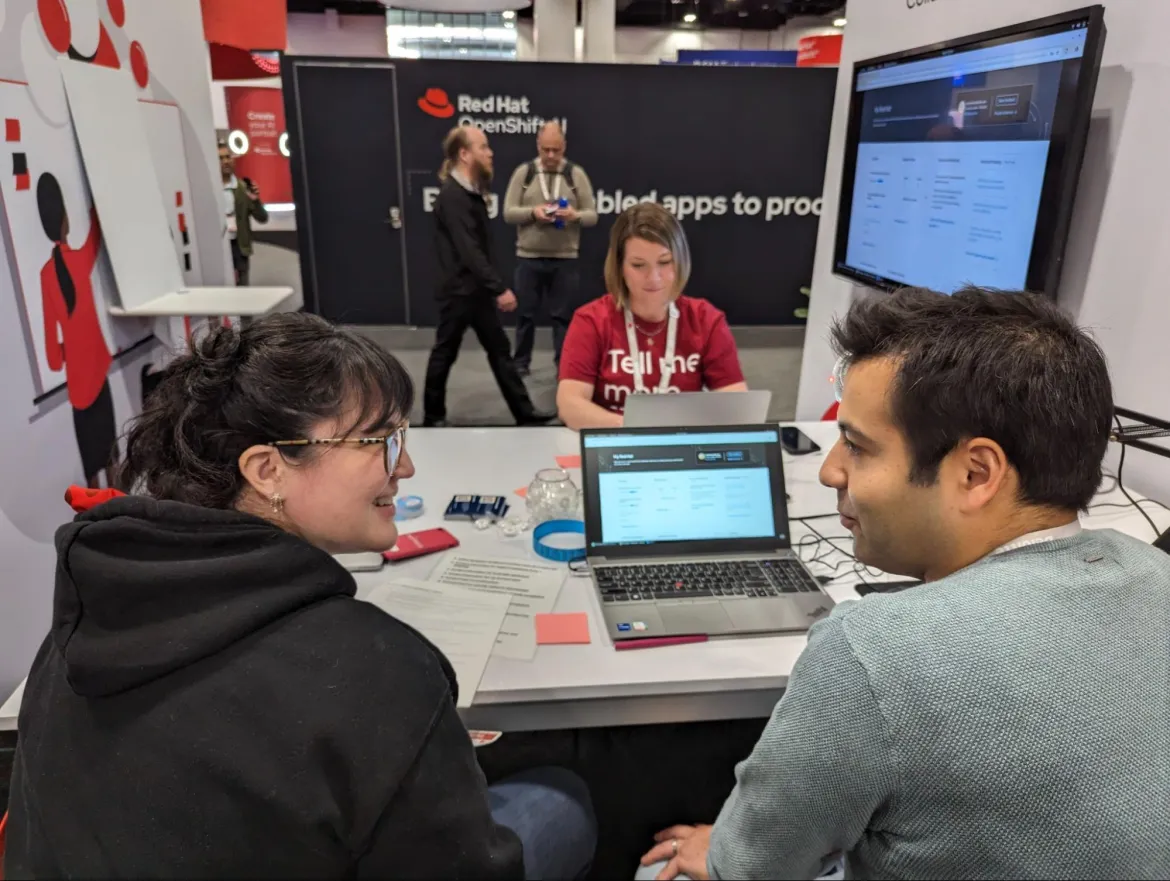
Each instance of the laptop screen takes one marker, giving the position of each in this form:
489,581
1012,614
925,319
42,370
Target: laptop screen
683,490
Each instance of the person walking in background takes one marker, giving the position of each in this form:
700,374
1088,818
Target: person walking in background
73,336
242,205
471,292
550,199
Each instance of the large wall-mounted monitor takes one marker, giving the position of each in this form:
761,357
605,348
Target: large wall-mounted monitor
962,159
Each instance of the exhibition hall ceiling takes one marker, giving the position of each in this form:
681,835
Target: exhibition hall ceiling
743,14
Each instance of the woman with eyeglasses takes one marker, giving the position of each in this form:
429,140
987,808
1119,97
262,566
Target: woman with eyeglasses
212,700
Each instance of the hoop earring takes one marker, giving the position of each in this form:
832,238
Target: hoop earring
277,504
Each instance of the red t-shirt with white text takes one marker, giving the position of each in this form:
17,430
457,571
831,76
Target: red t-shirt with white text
596,351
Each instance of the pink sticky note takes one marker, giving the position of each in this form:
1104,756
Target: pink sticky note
522,492
564,629
569,461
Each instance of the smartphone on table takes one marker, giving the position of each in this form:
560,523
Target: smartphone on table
419,544
796,442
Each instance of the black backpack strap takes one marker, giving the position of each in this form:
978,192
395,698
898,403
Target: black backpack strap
566,172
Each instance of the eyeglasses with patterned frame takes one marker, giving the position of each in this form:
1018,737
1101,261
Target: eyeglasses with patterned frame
395,443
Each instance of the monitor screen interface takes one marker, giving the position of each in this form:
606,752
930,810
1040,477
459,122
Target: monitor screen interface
671,486
951,156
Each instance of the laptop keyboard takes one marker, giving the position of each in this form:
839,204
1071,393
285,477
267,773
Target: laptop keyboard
688,581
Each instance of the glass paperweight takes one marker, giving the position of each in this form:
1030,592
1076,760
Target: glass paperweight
552,496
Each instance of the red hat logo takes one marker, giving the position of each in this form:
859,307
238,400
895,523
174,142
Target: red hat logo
436,103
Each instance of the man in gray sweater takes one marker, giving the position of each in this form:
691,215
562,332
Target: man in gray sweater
1009,718
550,199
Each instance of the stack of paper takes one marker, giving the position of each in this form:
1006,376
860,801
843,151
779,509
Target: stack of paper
531,589
463,624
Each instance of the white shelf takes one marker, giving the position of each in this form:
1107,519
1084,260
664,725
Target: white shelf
197,302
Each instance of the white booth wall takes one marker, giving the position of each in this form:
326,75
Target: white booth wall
40,453
1115,274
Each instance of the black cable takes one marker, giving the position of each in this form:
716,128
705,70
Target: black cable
829,541
1128,506
814,517
1125,492
1113,477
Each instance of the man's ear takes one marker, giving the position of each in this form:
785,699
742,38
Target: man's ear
263,469
983,470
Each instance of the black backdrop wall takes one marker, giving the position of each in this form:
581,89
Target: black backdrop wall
737,153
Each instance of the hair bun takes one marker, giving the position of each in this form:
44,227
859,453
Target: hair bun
212,366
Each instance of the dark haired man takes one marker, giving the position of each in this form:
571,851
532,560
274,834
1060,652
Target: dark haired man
242,205
1010,717
470,291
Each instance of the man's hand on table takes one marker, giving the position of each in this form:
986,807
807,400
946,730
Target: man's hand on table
687,857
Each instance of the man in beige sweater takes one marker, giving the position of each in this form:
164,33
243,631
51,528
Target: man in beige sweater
549,199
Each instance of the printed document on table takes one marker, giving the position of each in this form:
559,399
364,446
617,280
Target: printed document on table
462,623
532,588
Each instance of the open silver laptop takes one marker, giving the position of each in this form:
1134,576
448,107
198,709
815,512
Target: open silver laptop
697,408
686,532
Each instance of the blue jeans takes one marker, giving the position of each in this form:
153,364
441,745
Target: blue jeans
550,279
551,813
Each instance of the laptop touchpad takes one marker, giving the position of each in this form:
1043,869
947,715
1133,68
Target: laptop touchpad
683,618
768,616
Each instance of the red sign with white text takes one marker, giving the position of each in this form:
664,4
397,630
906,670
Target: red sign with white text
823,51
259,139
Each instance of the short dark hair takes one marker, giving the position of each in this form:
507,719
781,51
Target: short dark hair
272,380
981,363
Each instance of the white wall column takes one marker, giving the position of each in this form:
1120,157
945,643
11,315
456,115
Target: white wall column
599,24
554,22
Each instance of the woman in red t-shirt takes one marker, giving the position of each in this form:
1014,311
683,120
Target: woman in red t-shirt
644,337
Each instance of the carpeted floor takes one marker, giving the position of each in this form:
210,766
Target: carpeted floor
770,357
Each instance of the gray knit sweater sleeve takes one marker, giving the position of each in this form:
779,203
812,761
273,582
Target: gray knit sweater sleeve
821,771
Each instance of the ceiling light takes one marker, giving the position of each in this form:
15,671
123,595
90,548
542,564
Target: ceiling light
743,13
839,22
690,18
508,14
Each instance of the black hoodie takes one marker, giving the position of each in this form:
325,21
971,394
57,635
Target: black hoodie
213,702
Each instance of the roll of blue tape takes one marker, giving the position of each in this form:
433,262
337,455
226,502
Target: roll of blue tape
408,507
552,527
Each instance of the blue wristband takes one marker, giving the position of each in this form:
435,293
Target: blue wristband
552,527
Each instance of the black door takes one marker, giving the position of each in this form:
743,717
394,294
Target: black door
343,119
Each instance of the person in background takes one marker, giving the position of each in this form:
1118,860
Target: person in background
242,205
550,199
644,336
1008,717
471,292
212,701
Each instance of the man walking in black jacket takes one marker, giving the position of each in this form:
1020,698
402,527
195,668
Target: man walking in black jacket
470,289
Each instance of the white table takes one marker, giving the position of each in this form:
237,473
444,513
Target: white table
593,685
210,301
